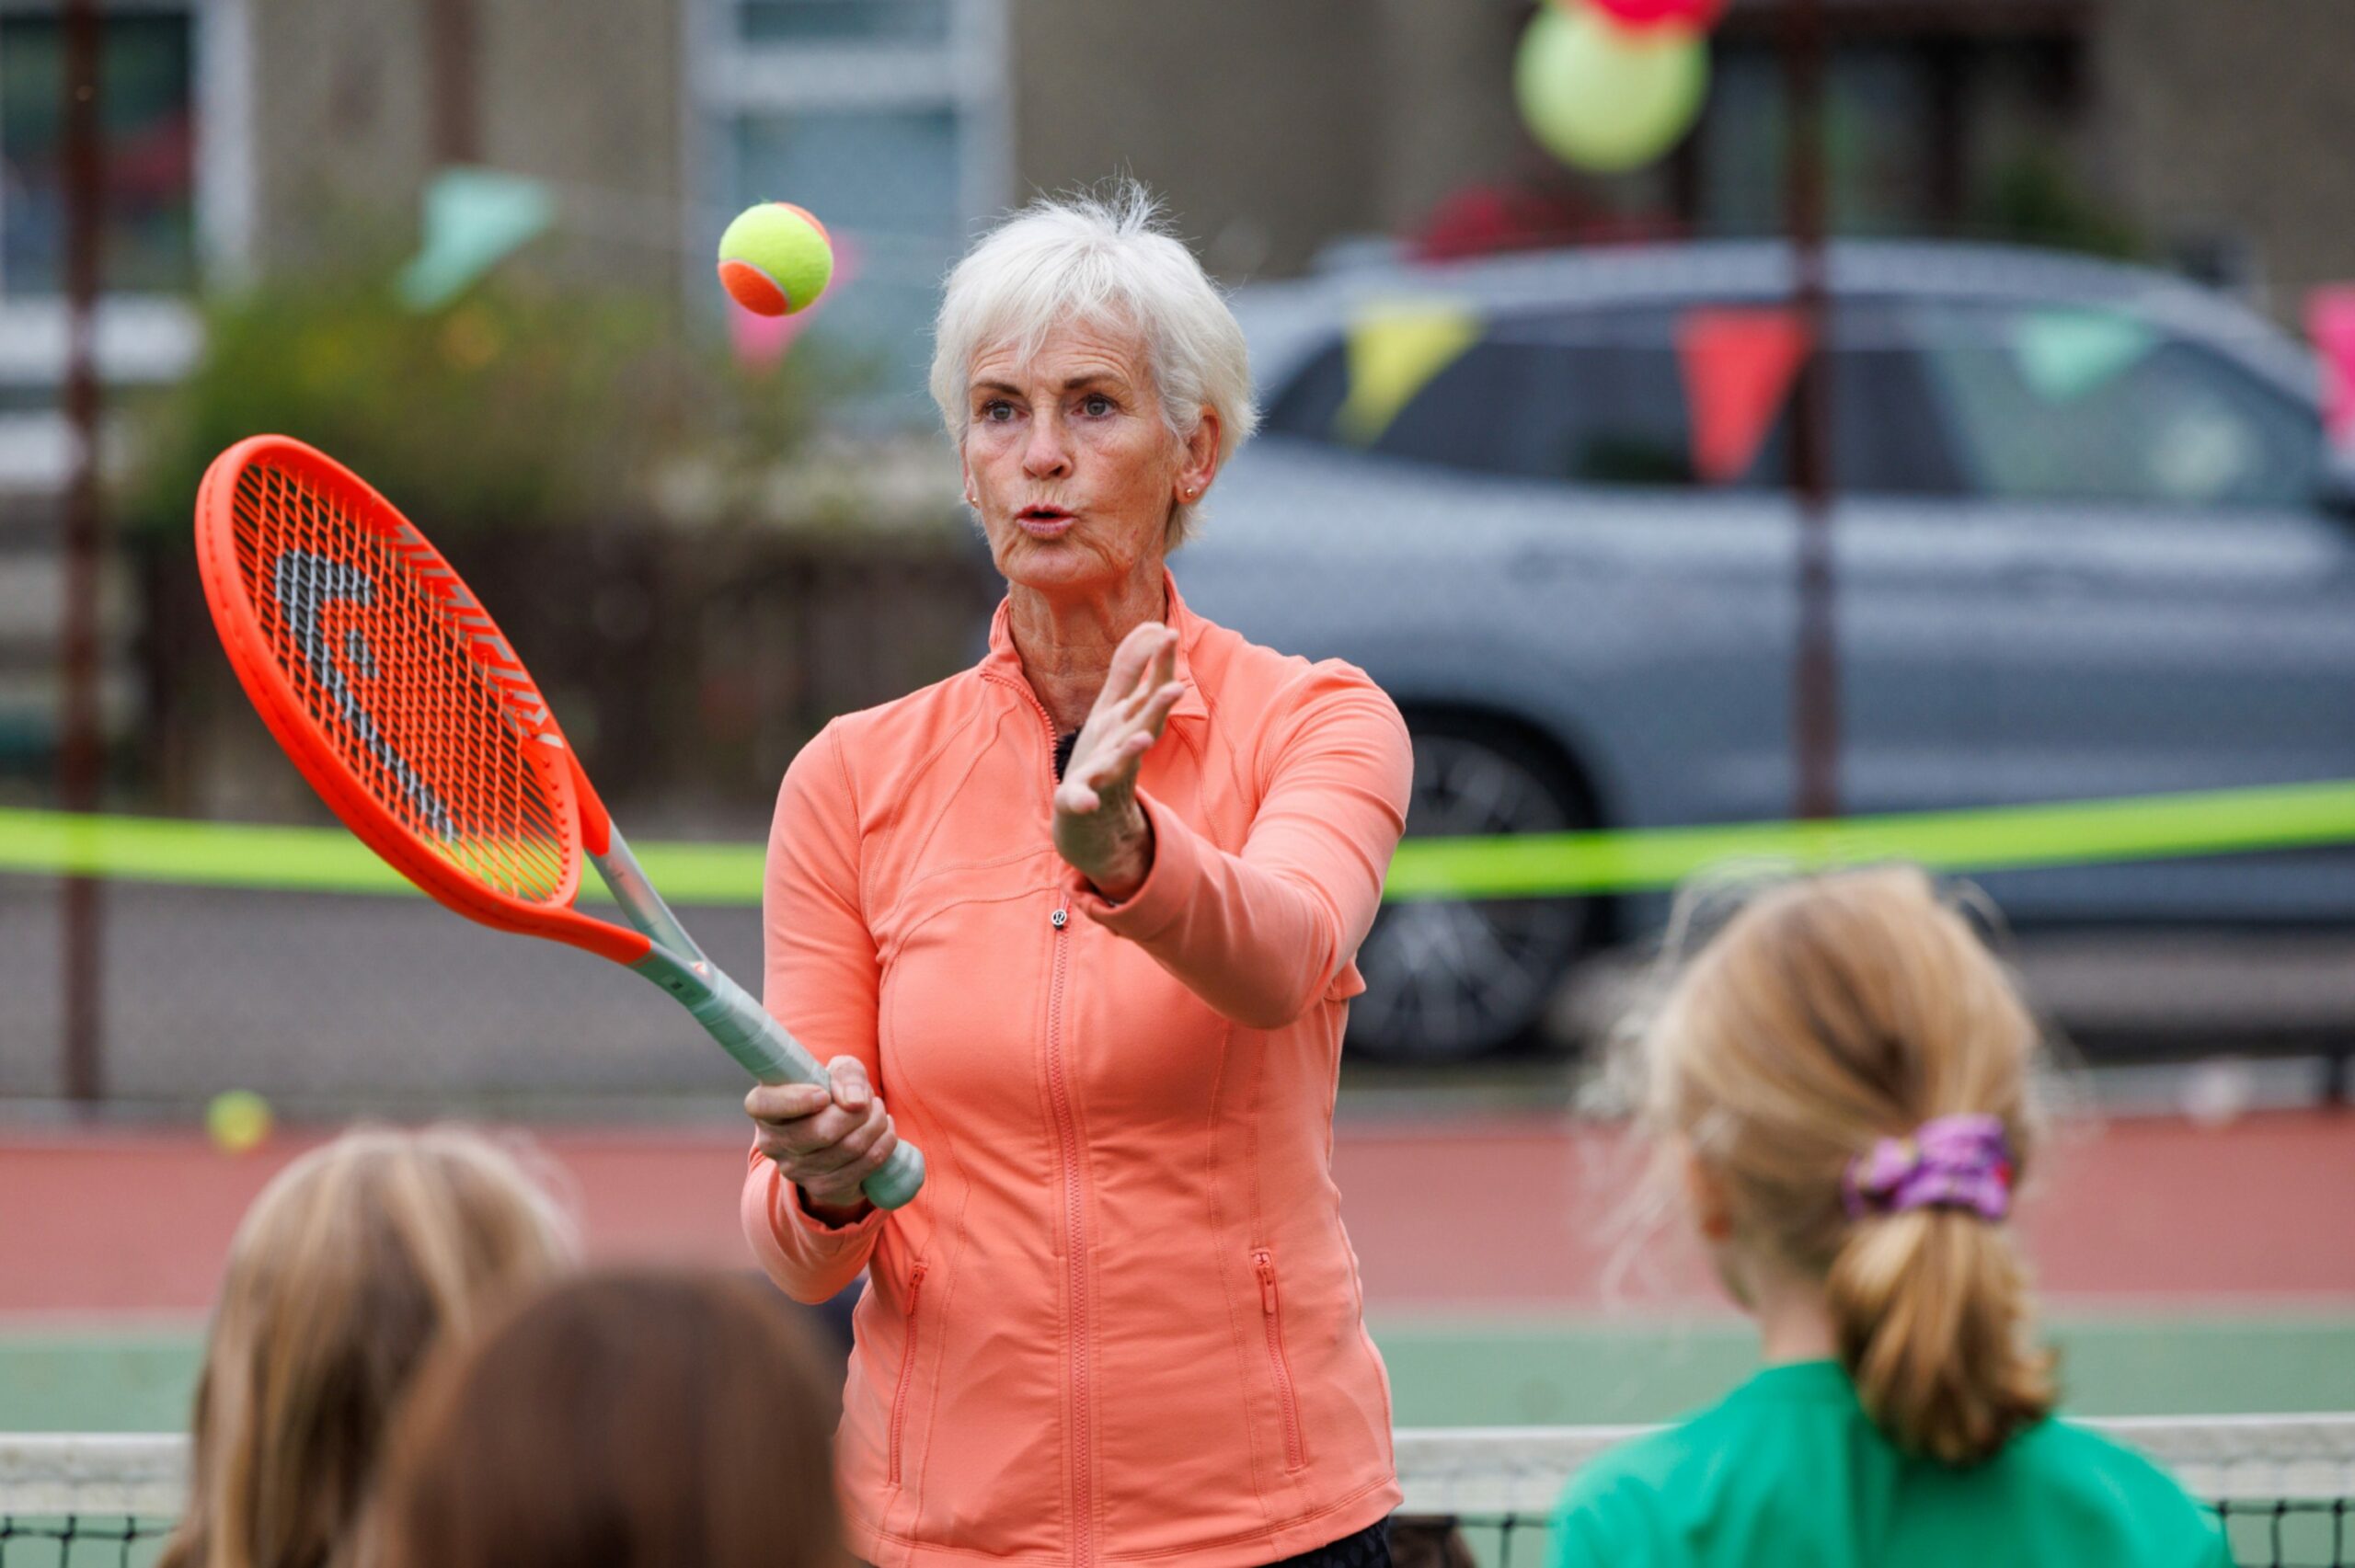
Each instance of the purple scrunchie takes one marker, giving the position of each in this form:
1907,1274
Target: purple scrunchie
1949,1162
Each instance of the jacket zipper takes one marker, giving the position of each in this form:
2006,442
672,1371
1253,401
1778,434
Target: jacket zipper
1074,1209
907,1369
1075,1255
1265,1261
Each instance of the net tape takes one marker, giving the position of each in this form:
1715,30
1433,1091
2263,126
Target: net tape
2286,1484
1521,1470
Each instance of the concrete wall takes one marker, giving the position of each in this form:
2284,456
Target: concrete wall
1249,115
584,93
339,118
1442,101
2236,116
1273,126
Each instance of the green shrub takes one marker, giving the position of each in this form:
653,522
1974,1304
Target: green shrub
524,403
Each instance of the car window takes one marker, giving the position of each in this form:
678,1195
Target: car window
1310,403
1888,437
1603,397
2083,405
1593,398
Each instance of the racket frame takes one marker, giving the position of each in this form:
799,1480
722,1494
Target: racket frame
654,944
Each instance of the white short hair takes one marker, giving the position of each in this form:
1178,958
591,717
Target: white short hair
1098,257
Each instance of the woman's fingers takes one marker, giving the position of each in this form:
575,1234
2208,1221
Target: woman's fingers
825,1165
1132,660
807,1131
1164,700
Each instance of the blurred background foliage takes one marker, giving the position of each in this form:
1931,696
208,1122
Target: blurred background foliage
529,401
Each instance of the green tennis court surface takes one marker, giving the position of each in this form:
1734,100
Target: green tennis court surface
1444,1372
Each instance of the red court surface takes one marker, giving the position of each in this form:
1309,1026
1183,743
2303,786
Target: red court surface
1496,1213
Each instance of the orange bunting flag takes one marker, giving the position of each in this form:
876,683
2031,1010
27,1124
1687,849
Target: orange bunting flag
1738,365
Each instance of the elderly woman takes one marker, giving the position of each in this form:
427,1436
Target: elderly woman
1085,916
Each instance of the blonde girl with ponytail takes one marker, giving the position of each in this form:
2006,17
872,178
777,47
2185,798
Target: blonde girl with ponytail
1841,1084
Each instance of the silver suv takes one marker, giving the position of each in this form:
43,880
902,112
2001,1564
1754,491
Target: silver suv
2090,542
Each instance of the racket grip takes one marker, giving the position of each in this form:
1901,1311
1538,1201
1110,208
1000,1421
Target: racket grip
758,1042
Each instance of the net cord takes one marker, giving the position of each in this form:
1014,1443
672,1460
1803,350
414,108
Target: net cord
1476,1471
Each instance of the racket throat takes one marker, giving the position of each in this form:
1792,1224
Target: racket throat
642,906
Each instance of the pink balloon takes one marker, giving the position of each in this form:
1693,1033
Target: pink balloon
760,341
1695,14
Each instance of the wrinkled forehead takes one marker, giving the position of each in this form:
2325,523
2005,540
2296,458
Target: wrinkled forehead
1102,343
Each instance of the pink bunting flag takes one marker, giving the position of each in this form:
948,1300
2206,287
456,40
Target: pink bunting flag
2330,321
1738,366
760,341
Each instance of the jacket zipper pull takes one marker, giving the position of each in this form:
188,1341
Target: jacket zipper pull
1267,1283
1060,919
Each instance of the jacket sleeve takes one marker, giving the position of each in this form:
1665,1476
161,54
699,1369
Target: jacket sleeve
820,979
1263,934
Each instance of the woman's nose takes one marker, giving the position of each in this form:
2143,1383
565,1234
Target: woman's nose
1045,454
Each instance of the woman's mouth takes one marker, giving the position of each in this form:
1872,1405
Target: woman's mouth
1044,522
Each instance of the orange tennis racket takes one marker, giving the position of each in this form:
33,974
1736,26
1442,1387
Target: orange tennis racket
389,686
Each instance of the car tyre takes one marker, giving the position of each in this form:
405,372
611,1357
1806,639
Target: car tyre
1450,981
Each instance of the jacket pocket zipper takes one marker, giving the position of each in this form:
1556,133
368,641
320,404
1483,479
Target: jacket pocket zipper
1265,1261
907,1369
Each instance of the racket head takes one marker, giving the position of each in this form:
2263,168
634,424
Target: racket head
394,693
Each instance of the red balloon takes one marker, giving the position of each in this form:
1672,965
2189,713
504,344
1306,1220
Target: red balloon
1696,14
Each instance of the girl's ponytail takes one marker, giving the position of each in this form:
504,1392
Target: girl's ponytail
1852,1068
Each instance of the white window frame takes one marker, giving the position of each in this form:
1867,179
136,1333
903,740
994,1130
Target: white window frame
143,337
967,73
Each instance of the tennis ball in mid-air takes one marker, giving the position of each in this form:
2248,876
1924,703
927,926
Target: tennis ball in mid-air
776,259
237,1119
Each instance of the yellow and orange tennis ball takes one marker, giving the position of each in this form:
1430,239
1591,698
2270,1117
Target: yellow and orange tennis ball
238,1121
776,259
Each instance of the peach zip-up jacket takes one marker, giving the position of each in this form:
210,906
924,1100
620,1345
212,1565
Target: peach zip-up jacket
1122,1323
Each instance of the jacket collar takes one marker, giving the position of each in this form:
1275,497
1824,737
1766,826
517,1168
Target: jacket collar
1004,663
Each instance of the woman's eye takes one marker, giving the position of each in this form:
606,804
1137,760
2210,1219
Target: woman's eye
998,410
1095,404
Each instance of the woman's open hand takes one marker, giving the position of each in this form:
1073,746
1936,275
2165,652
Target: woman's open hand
1099,827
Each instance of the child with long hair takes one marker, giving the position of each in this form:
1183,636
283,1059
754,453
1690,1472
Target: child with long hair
1841,1082
351,1264
622,1421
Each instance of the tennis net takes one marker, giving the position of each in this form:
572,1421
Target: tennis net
2284,1485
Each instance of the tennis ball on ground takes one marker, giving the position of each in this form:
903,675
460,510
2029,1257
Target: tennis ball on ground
776,259
237,1120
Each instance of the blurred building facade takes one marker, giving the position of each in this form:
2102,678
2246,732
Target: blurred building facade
257,133
247,137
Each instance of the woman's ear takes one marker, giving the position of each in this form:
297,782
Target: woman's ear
1198,465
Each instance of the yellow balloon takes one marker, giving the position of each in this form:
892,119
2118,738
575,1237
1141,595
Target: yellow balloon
1603,97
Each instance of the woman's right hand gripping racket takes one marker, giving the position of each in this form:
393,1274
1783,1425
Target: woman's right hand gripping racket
388,685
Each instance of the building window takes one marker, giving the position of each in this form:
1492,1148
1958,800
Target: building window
148,121
885,118
178,183
1927,130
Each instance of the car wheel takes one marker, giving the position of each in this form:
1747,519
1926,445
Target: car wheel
1451,979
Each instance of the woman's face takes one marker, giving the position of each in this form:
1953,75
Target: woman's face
1070,462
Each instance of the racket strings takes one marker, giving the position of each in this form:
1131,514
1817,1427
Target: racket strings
423,702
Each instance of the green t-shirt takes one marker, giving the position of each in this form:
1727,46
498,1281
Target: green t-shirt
1788,1468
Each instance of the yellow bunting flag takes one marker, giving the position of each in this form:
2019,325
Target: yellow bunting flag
1393,351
